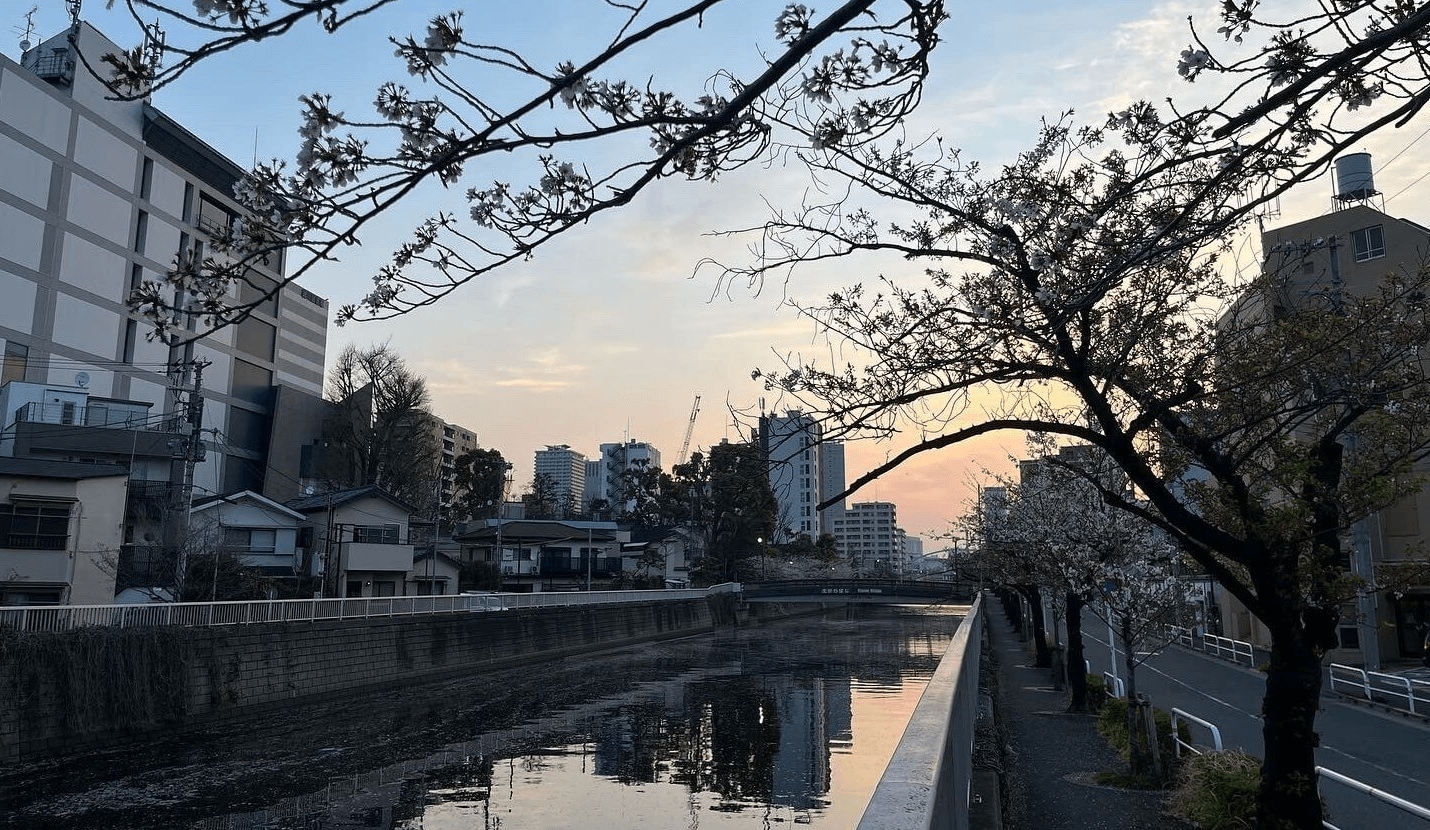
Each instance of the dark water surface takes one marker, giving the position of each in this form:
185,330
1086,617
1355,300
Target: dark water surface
782,724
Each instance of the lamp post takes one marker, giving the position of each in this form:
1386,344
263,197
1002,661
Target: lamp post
760,541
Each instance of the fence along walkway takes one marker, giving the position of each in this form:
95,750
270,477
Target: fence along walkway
35,618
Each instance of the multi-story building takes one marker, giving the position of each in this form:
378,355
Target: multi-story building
567,470
869,536
98,196
804,470
456,440
604,476
1348,252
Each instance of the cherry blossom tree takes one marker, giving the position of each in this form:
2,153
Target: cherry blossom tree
593,133
1077,292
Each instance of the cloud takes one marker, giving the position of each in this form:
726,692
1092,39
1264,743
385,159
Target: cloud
535,384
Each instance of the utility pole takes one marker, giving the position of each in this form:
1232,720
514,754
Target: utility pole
185,450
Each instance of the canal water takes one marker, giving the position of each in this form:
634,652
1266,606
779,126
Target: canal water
773,725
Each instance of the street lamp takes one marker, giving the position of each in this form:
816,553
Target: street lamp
760,541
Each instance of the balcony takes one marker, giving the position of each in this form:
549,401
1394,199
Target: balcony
101,427
373,556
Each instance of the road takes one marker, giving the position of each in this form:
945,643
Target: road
1385,750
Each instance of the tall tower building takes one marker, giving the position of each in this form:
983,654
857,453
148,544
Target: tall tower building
567,468
804,470
616,459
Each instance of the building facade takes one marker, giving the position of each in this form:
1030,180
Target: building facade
604,476
567,470
869,536
804,471
99,196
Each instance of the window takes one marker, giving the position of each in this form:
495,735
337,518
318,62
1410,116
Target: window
1369,243
17,357
375,534
188,201
141,232
384,588
243,540
146,178
35,525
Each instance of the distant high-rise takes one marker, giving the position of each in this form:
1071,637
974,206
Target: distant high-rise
604,476
869,536
804,470
567,470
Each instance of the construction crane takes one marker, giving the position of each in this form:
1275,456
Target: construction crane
689,428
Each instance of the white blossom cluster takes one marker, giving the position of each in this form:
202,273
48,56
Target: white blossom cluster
238,12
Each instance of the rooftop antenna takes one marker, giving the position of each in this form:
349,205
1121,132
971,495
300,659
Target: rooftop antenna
74,7
29,30
153,44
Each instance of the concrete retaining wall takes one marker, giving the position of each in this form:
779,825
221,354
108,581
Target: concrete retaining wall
97,687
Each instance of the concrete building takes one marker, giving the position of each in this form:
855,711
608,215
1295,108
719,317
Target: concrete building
567,469
360,541
604,475
869,536
804,470
1348,252
98,196
61,527
456,440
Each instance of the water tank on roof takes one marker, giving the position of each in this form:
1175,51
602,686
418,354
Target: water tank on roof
1354,180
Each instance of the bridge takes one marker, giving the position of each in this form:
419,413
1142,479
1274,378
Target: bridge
887,591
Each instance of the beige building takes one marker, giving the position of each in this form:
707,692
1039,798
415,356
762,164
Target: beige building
1347,252
61,527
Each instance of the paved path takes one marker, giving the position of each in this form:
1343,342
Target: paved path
1053,755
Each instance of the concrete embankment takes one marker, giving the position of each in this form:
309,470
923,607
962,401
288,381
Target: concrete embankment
96,687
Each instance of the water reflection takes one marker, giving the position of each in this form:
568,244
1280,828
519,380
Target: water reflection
785,723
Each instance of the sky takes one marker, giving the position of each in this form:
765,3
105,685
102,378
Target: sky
610,334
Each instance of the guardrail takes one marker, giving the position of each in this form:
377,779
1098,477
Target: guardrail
1178,718
35,618
1393,690
1380,795
927,784
1224,647
1113,684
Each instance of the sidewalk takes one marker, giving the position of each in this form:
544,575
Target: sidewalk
1051,756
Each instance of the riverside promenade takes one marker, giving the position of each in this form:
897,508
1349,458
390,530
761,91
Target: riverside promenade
1051,757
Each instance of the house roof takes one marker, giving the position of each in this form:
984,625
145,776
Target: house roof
46,468
529,530
323,501
246,495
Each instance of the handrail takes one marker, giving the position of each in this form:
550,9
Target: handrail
1215,644
1393,690
36,618
1178,716
1378,794
1113,684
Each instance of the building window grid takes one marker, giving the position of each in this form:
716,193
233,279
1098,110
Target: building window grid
34,526
1369,243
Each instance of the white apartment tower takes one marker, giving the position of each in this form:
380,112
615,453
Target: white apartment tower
603,477
567,468
97,196
804,471
869,536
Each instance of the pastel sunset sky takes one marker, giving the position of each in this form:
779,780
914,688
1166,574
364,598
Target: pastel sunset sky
611,332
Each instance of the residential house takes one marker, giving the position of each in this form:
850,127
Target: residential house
545,555
261,533
433,573
61,526
360,540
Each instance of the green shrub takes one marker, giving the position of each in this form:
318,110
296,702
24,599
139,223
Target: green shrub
1218,790
1096,693
1112,725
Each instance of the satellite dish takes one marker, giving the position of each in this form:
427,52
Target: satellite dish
81,379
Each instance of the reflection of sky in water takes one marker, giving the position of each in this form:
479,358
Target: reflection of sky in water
780,745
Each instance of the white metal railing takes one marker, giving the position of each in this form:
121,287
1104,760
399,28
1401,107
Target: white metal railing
66,617
1178,718
1225,647
1392,690
1380,795
1113,684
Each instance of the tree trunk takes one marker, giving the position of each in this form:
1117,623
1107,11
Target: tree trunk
1043,657
1077,668
1289,796
1139,758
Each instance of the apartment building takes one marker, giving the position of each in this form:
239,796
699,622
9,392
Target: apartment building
98,196
804,471
567,470
869,536
455,440
604,475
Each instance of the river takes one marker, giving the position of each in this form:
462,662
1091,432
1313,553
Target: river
782,723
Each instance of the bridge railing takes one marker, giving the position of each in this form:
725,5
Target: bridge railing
65,617
928,781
